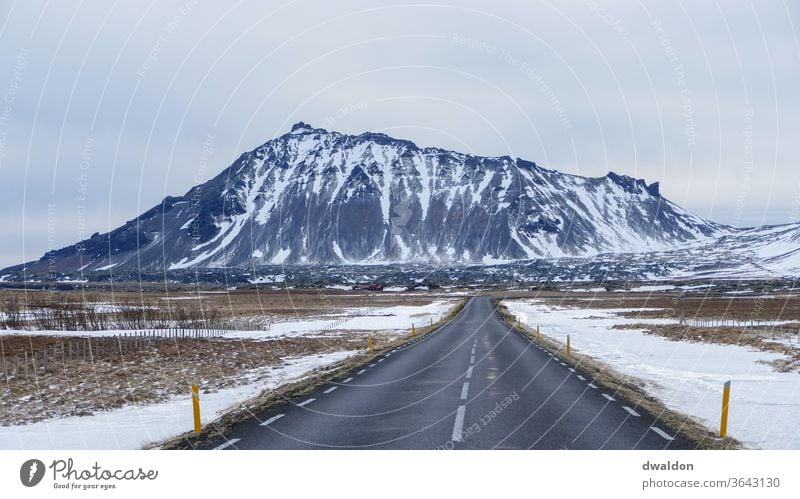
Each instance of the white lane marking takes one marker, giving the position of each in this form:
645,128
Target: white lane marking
380,360
662,433
465,390
329,390
469,373
227,444
473,351
592,385
472,360
550,354
361,371
459,424
272,420
371,365
571,370
562,364
630,411
609,397
581,378
388,354
301,404
348,380
556,359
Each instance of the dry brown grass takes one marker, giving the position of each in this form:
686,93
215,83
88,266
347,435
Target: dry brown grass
63,309
629,389
152,374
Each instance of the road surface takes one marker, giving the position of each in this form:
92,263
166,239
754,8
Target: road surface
475,383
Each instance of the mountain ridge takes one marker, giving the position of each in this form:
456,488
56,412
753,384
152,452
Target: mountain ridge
313,196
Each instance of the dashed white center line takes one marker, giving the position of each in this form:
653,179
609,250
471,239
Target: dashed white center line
662,433
459,424
306,402
592,385
469,373
473,351
630,411
329,390
609,397
465,391
361,371
227,444
348,380
581,378
472,359
272,420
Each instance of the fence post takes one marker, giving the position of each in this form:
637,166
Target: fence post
371,344
196,407
726,397
26,365
5,370
569,350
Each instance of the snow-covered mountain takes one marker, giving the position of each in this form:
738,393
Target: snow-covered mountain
317,196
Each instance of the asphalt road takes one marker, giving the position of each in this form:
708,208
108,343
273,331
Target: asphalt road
475,383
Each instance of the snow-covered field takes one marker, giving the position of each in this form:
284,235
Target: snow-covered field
134,426
396,319
387,320
687,377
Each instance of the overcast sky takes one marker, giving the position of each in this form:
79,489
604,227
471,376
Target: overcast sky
105,106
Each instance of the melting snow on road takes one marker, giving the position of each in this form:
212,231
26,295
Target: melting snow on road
687,377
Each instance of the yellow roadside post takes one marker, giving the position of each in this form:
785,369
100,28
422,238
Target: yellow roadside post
568,348
538,335
413,331
196,407
726,398
371,344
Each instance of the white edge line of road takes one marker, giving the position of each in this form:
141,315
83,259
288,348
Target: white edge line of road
630,411
272,420
661,432
227,444
459,424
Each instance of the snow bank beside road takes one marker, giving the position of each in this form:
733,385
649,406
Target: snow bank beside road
687,377
134,426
